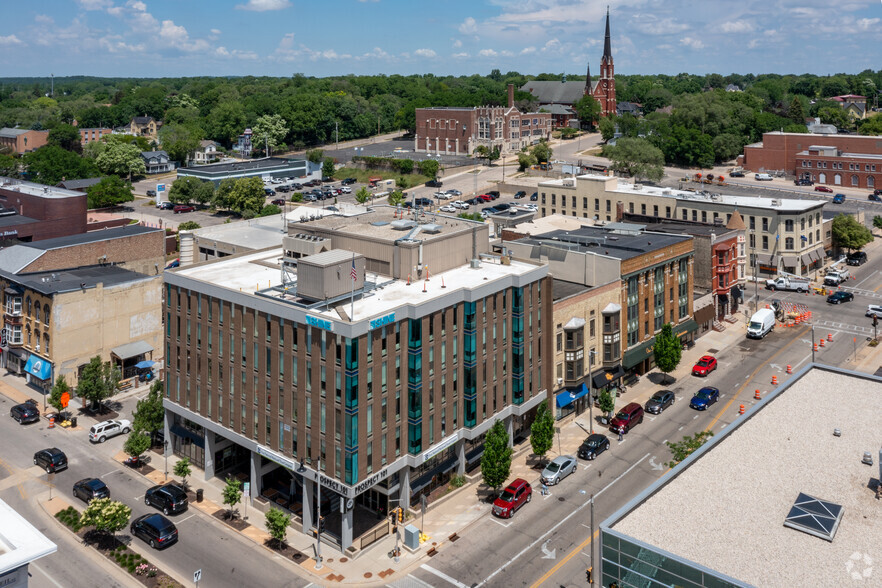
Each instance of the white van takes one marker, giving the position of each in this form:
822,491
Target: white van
763,177
761,323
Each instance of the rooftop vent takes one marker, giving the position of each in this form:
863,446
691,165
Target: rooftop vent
814,516
432,228
402,224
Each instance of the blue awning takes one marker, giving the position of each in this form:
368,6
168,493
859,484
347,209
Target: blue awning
39,367
141,365
567,397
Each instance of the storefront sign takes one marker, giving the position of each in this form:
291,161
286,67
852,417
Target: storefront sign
378,477
319,322
273,456
338,487
382,321
433,451
9,233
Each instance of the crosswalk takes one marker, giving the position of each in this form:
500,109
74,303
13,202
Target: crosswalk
847,328
860,292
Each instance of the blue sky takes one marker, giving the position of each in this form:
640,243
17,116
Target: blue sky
155,38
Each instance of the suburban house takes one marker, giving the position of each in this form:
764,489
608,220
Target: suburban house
157,162
145,126
206,153
243,144
22,140
854,105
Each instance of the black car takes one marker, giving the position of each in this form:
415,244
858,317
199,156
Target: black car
26,412
51,460
269,191
475,201
840,297
736,174
659,401
502,206
155,529
874,197
534,196
433,184
348,181
151,193
857,258
494,194
166,206
520,194
593,446
422,202
169,498
90,488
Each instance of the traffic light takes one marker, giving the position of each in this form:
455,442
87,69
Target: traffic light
400,515
321,524
589,575
875,320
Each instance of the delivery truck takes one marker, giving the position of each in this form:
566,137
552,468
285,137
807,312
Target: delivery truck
788,283
761,323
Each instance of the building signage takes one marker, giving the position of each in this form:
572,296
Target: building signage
433,451
334,485
273,456
319,322
383,321
378,477
9,233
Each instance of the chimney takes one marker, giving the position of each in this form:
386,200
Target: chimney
510,95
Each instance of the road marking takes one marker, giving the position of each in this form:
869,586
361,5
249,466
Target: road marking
586,467
187,519
500,523
548,554
665,441
443,576
108,473
42,571
864,280
680,429
555,527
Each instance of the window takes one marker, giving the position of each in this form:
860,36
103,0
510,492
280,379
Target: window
854,180
765,242
788,243
788,225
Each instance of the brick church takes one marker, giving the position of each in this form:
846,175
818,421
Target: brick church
558,96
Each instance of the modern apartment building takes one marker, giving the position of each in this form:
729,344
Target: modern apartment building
368,354
782,234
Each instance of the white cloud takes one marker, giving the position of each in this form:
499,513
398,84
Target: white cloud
460,55
868,24
215,31
528,50
649,24
235,53
552,45
10,40
692,43
115,44
424,53
44,19
457,44
488,53
264,5
506,53
737,26
177,36
468,26
95,4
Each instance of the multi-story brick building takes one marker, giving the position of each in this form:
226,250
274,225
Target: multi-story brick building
829,165
782,234
23,140
95,134
30,212
374,374
461,130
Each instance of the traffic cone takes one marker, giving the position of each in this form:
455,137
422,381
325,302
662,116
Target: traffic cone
789,369
741,409
424,286
442,282
822,341
427,273
408,279
774,380
756,396
52,422
829,336
815,348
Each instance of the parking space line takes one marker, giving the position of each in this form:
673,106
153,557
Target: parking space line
187,519
501,524
108,473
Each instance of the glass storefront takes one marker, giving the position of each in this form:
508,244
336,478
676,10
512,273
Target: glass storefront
188,440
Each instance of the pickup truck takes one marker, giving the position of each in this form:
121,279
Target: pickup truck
836,277
785,283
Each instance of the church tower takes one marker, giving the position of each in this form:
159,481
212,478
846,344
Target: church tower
605,92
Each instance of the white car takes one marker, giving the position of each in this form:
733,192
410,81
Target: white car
442,195
454,192
448,208
874,310
461,205
106,429
346,190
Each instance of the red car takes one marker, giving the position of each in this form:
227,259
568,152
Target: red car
627,418
183,208
704,366
823,189
512,498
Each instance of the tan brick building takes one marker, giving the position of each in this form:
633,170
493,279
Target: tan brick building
23,140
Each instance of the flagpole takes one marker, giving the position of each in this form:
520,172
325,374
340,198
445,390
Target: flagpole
352,292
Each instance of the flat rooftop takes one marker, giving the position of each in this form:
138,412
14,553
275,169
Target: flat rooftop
725,507
246,165
611,243
20,542
689,228
54,282
92,237
34,189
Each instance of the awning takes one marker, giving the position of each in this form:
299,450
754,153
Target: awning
818,254
39,367
686,326
634,356
133,349
764,258
19,353
790,260
807,258
567,397
141,365
606,376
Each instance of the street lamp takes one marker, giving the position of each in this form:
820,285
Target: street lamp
591,355
358,151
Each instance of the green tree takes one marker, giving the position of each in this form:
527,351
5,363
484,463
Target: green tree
272,209
607,128
363,195
106,515
189,226
269,129
835,116
871,126
395,198
314,155
849,233
137,443
183,469
542,151
328,168
796,111
588,110
542,431
180,140
149,414
183,190
667,349
637,158
475,216
8,166
247,196
226,121
121,159
61,386
110,191
429,168
606,402
484,152
277,525
204,193
98,381
496,460
67,137
877,222
525,160
221,198
683,449
51,164
232,494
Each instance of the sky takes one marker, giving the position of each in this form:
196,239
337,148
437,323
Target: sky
171,38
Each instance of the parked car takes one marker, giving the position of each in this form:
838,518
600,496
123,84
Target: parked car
183,208
489,210
839,199
874,197
433,184
90,488
26,412
502,206
558,469
704,366
516,495
454,192
51,460
442,196
627,418
802,182
592,446
279,202
494,194
155,529
856,258
348,181
840,297
762,177
169,498
166,205
102,431
448,208
346,190
422,202
736,174
704,398
151,193
485,197
823,189
874,310
534,196
660,401
519,194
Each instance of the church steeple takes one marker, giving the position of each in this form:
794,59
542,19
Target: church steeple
607,46
588,80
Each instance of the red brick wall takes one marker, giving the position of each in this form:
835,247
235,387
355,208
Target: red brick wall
779,150
443,126
141,253
59,217
868,172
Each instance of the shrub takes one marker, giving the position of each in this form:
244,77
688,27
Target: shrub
458,481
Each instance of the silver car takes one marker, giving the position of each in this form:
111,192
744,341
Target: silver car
558,469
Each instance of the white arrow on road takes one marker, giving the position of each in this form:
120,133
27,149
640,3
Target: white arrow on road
654,465
775,366
806,341
548,554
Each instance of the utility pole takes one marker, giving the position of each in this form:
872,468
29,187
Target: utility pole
336,136
591,559
52,91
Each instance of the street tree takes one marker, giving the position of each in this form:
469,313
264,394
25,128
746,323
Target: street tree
496,461
588,110
429,167
106,515
183,469
232,494
247,196
667,349
363,195
542,431
149,414
877,222
180,140
637,158
269,130
277,525
183,190
525,160
110,191
51,164
121,159
221,198
484,152
60,387
137,443
607,402
683,449
849,233
542,151
98,381
395,198
607,128
328,168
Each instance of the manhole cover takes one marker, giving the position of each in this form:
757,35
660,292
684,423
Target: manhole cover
713,350
368,575
561,499
344,559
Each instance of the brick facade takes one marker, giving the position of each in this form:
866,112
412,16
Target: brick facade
21,141
56,213
828,165
778,151
143,253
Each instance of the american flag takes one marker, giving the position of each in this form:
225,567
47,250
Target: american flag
354,273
